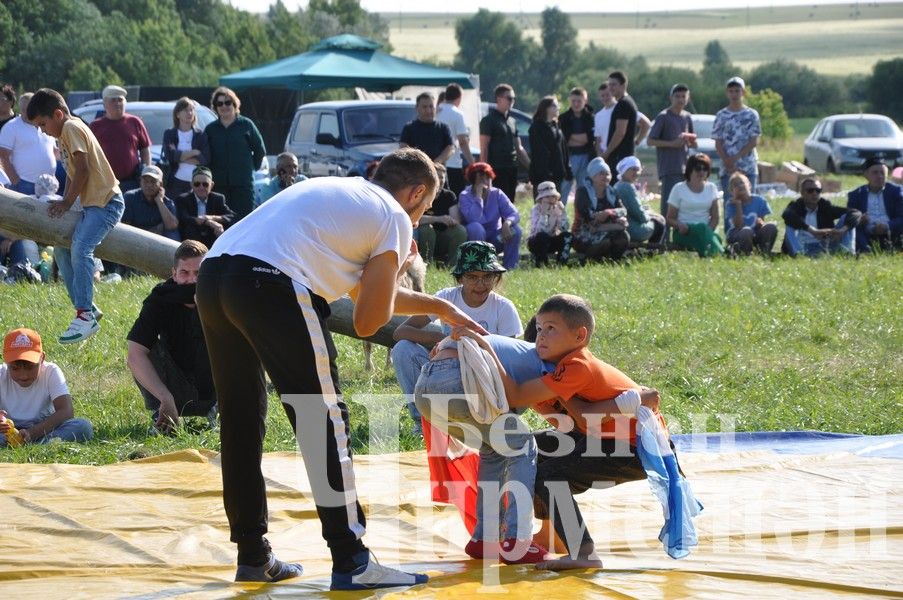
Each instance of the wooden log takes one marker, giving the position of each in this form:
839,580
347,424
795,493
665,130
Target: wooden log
27,218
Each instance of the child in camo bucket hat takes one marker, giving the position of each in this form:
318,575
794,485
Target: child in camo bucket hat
477,256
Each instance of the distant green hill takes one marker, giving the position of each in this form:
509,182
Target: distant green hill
832,39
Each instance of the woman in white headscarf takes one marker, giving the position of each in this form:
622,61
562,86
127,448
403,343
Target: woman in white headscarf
600,219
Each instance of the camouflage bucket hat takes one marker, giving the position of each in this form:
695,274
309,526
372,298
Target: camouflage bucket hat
477,256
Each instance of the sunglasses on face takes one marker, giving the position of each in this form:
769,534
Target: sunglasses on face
510,98
203,184
701,168
219,103
811,190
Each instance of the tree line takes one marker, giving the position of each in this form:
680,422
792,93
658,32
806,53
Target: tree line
87,44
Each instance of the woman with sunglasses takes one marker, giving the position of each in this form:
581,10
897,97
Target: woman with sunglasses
477,273
693,211
185,147
203,214
236,151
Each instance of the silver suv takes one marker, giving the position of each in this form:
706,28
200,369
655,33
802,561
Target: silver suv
342,137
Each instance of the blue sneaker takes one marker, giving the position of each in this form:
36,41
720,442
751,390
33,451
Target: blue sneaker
273,570
373,575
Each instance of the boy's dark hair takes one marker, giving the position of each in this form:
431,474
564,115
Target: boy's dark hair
577,91
678,87
603,86
44,102
618,76
502,89
574,310
405,167
423,95
188,249
453,91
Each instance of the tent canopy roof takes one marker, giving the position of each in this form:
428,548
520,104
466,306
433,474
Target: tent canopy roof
344,61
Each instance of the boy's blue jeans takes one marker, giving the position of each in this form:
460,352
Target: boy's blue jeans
408,358
73,430
76,264
439,395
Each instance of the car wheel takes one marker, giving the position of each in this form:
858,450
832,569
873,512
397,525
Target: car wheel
831,168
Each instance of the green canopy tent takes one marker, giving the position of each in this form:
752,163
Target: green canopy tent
344,61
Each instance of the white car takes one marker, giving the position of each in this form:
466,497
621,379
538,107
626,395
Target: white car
702,127
841,143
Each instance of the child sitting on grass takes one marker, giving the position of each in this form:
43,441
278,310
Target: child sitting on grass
592,393
34,395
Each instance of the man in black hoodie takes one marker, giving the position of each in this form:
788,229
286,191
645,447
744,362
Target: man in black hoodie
167,354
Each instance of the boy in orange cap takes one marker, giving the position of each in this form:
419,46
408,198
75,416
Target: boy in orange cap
34,395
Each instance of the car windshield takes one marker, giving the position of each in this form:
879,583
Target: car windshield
158,120
703,127
376,123
862,128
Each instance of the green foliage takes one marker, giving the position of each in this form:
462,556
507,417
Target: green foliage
884,88
775,123
716,65
805,92
559,50
67,44
491,45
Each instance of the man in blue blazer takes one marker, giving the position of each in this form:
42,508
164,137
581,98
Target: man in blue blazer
881,205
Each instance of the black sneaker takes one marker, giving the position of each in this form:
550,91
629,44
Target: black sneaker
273,570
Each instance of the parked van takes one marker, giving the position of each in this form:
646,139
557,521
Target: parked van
342,137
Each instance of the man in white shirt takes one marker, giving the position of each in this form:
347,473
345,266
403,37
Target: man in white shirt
450,114
26,152
263,296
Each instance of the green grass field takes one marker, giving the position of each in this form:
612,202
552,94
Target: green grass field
773,344
832,39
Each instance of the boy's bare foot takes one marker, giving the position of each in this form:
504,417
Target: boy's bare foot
565,563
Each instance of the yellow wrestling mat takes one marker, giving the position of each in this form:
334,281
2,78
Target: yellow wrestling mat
782,526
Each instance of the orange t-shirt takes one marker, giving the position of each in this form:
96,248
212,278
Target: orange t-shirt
582,374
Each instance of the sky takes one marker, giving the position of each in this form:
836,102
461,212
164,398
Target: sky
536,6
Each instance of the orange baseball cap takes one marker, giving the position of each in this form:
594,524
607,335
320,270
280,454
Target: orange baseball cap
22,344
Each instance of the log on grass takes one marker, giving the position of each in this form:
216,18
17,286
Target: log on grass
27,218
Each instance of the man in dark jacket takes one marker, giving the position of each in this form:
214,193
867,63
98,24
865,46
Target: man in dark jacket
167,354
881,205
815,226
577,126
203,214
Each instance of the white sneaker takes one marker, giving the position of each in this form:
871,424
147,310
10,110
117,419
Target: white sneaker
373,575
80,329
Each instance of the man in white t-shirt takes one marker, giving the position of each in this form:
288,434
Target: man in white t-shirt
26,152
263,296
33,394
602,122
450,114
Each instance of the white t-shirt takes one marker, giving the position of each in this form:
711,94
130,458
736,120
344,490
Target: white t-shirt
185,169
602,121
496,315
36,401
31,150
693,207
452,116
322,233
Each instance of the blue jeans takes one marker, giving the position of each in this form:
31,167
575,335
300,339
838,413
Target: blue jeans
407,359
20,250
795,244
725,177
578,164
73,430
507,450
24,187
76,264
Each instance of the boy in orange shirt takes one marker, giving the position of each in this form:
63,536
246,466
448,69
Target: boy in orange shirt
594,394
